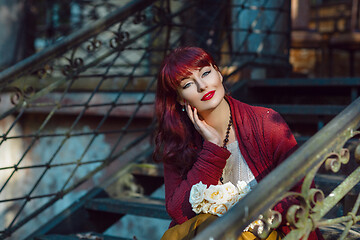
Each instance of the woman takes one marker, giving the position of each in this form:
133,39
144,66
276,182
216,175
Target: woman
205,135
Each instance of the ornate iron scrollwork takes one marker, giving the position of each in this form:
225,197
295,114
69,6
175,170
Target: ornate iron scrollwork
118,41
73,66
18,95
140,17
307,215
47,70
94,45
334,160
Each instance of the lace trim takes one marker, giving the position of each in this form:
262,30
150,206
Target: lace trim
236,168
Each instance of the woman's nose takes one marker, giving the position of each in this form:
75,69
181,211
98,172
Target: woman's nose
201,85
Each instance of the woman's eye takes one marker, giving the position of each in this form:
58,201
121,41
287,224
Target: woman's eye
205,73
186,85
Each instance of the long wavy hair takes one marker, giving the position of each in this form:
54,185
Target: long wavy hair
176,140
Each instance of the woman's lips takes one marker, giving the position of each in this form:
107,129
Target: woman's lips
208,96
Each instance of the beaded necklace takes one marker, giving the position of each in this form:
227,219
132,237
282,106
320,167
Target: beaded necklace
226,139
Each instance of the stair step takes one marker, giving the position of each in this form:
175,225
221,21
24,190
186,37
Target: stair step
316,110
94,236
147,207
329,182
148,175
305,82
148,169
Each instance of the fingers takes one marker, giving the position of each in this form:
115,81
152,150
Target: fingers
194,117
189,112
206,131
200,125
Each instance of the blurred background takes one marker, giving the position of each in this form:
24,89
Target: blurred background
77,87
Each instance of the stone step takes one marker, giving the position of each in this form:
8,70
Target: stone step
142,206
148,169
94,236
305,82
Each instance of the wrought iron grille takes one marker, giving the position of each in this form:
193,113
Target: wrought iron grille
49,21
105,72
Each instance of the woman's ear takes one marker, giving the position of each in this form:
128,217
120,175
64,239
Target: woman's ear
218,70
180,100
221,76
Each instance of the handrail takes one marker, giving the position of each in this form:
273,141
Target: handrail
71,41
274,186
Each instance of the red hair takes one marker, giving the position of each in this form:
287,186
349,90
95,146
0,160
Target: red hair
176,139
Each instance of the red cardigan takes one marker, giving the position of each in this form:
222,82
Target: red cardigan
264,140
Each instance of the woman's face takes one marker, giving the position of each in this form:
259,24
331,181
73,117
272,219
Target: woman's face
203,89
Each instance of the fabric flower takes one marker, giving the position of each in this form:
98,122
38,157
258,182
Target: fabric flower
230,189
243,187
217,199
198,208
257,223
218,209
197,193
216,194
206,207
232,201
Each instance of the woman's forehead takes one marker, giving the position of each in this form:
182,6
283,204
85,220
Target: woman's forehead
191,70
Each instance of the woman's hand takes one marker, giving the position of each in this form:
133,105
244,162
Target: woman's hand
206,131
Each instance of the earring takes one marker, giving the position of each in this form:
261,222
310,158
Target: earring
183,108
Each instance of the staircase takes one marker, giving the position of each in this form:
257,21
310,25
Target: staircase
306,104
80,115
127,192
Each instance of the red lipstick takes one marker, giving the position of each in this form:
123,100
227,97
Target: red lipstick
208,96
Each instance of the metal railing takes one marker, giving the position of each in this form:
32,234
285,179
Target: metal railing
337,144
47,21
105,71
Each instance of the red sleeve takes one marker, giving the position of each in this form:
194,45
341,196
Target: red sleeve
207,168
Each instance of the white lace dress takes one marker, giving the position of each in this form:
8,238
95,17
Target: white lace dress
236,168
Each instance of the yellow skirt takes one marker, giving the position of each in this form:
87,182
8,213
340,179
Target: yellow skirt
189,229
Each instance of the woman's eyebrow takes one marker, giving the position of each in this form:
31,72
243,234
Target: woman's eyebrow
204,67
198,69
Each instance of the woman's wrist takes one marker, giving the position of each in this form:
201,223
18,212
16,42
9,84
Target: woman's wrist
214,146
216,142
